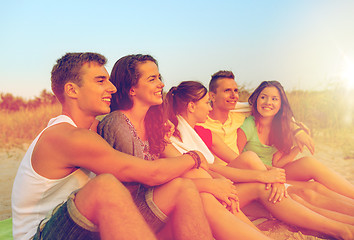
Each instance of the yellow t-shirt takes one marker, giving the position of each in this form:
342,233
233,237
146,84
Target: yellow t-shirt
228,130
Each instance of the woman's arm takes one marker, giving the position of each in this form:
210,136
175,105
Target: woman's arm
248,175
220,149
241,140
280,160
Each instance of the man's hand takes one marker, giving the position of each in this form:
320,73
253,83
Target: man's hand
274,175
277,193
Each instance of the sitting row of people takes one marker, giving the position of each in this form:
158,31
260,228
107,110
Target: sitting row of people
189,171
138,128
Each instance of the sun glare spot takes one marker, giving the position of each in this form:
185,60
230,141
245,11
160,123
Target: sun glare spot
348,73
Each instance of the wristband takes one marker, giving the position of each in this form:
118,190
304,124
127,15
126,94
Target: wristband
195,157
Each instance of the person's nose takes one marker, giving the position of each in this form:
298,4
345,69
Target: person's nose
161,84
111,88
234,94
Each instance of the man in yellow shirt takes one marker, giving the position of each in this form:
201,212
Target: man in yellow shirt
226,117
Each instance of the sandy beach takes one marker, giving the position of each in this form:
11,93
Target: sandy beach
333,158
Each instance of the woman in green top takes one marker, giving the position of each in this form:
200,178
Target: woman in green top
267,133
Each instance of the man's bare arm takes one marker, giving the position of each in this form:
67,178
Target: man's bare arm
68,147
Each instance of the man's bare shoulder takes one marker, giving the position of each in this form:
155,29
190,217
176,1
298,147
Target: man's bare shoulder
57,150
61,135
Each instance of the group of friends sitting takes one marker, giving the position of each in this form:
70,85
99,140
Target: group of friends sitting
189,164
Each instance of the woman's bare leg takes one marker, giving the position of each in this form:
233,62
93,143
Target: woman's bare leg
308,168
180,200
340,217
293,212
313,192
310,192
224,224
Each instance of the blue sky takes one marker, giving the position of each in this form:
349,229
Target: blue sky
304,44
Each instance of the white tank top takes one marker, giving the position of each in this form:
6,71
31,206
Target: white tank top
34,196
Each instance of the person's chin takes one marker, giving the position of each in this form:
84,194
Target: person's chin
231,107
106,111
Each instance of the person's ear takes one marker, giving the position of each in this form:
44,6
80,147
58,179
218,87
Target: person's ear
212,96
71,89
132,92
191,107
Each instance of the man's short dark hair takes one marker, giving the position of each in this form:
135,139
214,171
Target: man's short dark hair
218,75
67,69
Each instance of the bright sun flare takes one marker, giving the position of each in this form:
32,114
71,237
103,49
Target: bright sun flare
348,73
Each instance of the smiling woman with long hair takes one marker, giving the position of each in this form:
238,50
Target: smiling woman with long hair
267,133
134,127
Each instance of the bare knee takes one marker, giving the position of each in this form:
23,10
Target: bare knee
106,188
316,186
182,185
183,189
309,161
178,191
102,192
308,194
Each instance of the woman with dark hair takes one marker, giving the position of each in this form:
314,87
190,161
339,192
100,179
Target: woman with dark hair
125,76
133,127
267,133
188,104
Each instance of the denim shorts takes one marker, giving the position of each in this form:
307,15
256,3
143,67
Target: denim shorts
67,222
154,217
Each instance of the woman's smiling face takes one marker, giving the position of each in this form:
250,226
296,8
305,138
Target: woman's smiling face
149,88
269,102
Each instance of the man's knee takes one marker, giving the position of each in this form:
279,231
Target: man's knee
102,192
106,187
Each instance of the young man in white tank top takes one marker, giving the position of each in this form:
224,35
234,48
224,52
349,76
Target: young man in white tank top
57,171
